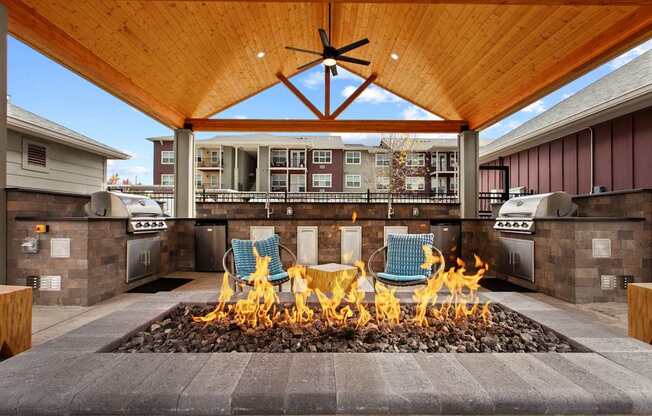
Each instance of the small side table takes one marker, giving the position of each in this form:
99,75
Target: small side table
15,320
323,276
639,299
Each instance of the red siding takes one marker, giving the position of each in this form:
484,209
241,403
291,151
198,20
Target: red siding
642,132
622,154
556,165
544,168
584,162
623,148
570,164
602,155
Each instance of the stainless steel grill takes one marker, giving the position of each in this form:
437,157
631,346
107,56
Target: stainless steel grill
145,215
517,215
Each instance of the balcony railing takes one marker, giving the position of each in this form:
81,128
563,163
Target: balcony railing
208,163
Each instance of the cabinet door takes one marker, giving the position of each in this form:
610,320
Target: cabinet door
351,244
393,229
261,232
523,259
503,257
154,255
307,245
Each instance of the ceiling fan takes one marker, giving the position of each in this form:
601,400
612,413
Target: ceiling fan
330,55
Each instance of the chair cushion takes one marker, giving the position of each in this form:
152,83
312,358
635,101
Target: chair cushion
401,278
243,255
405,254
272,277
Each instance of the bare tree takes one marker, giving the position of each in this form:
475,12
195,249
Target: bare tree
399,146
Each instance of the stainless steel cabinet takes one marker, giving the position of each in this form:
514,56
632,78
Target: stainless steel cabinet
210,245
516,258
143,257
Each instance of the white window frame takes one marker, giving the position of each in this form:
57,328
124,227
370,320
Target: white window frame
278,152
315,181
384,162
215,184
278,175
167,175
301,153
420,159
199,179
318,154
169,160
215,159
421,183
382,187
346,181
25,163
353,153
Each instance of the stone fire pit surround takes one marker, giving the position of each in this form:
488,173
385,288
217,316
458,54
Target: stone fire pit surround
69,376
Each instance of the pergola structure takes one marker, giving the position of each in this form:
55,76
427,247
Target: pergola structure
471,62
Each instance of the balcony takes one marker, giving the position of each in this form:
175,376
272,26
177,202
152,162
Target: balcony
209,163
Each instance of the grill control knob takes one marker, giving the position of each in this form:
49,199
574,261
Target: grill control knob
524,225
161,223
500,224
138,224
146,224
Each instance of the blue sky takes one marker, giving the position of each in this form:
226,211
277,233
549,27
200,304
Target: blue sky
42,86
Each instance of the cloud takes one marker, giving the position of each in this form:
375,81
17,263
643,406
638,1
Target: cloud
240,117
125,170
372,95
514,124
413,112
536,107
631,55
494,126
315,78
568,95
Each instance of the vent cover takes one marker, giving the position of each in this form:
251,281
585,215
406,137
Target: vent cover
37,155
60,247
601,248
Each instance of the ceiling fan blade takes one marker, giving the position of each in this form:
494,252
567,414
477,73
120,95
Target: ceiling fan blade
292,48
324,38
334,70
352,60
311,63
352,46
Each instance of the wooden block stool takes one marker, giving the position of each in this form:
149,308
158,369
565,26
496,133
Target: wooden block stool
15,320
639,316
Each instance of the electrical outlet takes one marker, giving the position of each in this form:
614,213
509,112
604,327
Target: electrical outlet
608,282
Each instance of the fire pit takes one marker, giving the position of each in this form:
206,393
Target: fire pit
346,322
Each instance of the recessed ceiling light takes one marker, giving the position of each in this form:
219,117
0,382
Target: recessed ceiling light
394,56
330,62
260,55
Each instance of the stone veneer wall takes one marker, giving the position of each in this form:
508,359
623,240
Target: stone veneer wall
320,211
564,266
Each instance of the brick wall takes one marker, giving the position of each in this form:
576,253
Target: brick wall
335,169
160,168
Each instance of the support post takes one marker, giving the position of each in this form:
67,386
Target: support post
184,173
468,144
3,145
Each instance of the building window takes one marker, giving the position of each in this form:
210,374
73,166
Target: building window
214,180
415,159
167,157
215,156
415,183
382,183
439,185
297,158
167,180
199,157
35,156
279,158
322,180
382,159
279,182
453,161
321,157
453,185
353,181
199,180
353,158
297,183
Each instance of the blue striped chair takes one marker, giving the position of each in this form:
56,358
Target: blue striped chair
402,258
239,260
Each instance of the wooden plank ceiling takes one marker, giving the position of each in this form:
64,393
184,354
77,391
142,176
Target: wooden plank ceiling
464,60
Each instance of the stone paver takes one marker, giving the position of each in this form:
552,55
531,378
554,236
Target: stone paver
68,376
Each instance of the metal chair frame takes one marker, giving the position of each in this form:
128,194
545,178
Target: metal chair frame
390,282
228,260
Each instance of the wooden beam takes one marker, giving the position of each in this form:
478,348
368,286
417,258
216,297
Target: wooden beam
299,95
327,125
472,2
327,92
353,96
38,32
618,38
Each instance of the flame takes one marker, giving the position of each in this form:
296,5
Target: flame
354,217
261,306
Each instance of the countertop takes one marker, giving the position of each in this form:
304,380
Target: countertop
437,219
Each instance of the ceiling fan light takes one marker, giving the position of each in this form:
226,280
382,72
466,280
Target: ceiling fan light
260,55
394,56
330,62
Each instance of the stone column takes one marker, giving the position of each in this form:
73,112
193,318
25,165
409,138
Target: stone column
3,144
184,173
469,173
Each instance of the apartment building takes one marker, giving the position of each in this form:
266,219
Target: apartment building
264,162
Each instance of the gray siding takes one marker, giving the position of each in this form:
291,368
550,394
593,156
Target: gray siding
69,169
365,169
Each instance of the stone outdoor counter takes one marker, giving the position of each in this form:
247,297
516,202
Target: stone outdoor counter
68,376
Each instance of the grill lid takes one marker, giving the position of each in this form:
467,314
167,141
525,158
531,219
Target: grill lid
553,204
121,205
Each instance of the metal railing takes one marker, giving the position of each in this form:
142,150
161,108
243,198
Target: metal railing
487,199
324,197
